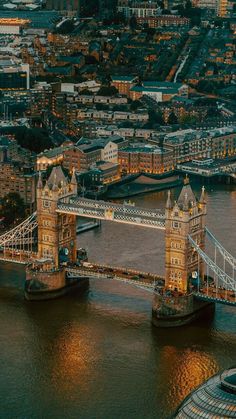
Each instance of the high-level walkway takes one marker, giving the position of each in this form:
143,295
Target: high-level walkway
121,213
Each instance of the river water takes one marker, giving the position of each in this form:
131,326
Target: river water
97,356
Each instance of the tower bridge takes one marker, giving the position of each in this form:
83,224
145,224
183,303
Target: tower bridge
193,279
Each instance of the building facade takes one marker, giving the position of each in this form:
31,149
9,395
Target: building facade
16,179
145,159
123,83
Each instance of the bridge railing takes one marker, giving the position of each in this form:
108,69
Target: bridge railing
99,275
128,209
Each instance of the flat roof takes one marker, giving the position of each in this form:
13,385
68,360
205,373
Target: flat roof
162,84
123,78
43,19
153,89
13,21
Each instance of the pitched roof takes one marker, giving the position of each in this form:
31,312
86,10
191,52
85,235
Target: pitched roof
57,177
186,197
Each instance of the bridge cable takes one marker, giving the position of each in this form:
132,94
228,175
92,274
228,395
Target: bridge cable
226,279
226,255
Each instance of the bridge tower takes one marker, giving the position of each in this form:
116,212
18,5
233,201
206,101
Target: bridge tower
56,232
185,217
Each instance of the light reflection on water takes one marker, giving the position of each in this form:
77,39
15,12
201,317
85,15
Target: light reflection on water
98,356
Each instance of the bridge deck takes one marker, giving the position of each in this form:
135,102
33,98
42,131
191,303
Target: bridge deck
98,275
103,210
214,299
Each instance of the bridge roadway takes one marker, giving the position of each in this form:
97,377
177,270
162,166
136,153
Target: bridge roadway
22,258
104,210
144,280
99,275
215,295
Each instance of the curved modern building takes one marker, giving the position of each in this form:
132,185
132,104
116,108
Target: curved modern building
216,398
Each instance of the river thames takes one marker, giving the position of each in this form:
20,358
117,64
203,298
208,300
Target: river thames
97,356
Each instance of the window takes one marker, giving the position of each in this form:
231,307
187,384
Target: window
46,204
195,221
175,245
175,261
47,252
175,224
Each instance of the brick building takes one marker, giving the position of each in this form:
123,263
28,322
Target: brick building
123,83
145,159
17,179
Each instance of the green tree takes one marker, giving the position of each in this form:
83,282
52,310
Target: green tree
86,92
107,91
66,27
12,208
34,139
135,105
133,22
155,117
172,119
206,86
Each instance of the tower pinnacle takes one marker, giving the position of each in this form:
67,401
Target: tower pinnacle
40,183
186,180
73,182
168,202
55,186
203,197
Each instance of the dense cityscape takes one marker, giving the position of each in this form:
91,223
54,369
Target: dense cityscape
120,111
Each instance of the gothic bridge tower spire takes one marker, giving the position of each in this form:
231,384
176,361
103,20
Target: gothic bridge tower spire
56,232
185,217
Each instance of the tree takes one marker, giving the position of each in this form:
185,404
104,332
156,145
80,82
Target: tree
107,91
206,86
135,105
90,59
155,117
12,208
172,119
86,92
66,27
133,22
34,139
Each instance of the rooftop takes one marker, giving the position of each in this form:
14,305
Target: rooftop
45,19
215,398
143,149
154,89
123,78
